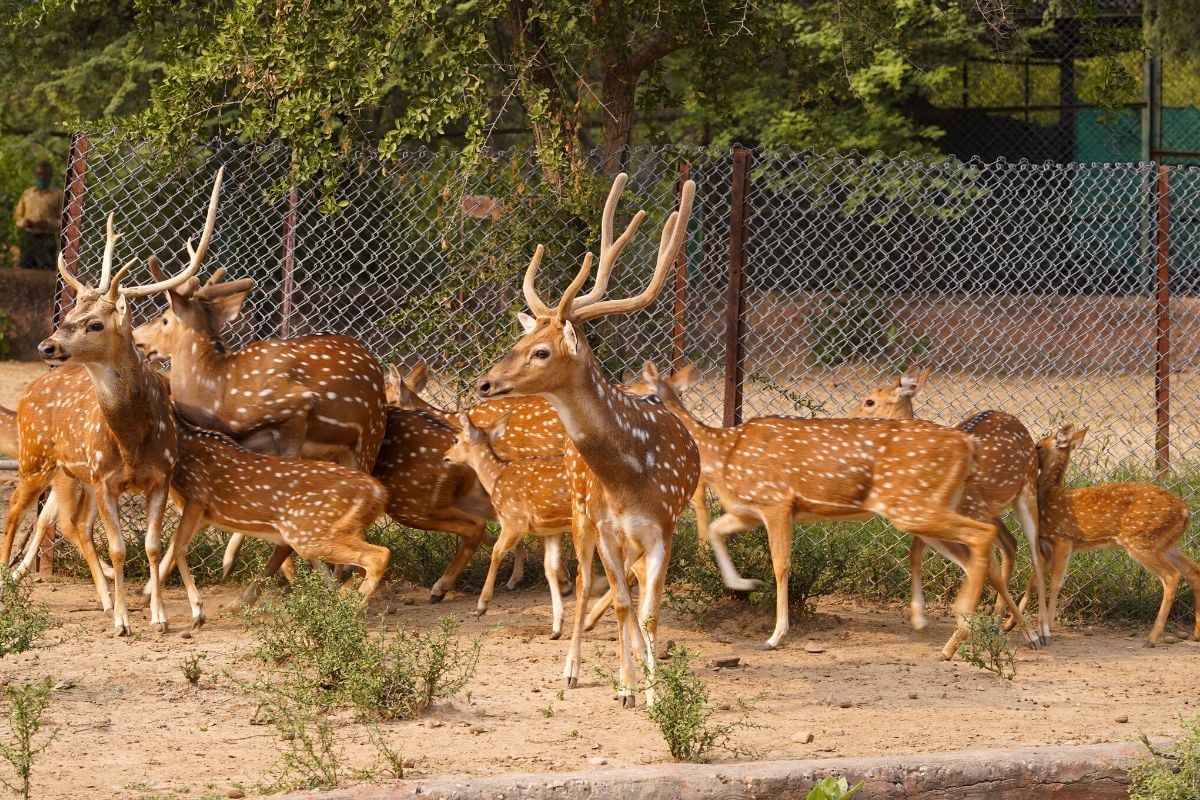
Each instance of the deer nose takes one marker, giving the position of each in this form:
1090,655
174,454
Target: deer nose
483,387
48,349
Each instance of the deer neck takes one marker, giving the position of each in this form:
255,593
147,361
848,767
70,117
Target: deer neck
486,465
198,377
714,444
1050,486
130,397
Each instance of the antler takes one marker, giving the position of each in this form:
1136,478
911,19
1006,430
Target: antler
197,254
668,249
589,306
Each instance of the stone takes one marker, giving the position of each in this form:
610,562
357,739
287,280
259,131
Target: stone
1122,718
844,704
724,662
813,647
663,651
802,737
597,761
235,793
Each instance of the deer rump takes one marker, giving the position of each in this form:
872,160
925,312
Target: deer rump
836,469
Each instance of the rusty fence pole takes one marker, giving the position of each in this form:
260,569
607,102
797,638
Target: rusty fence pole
289,263
735,320
681,278
1162,315
74,191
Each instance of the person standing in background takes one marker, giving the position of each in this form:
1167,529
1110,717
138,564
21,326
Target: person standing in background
39,216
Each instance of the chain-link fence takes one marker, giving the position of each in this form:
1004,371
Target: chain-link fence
1033,288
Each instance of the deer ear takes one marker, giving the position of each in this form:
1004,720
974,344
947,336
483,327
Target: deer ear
570,338
925,373
230,308
527,322
499,427
1077,439
394,376
1062,438
685,378
649,372
417,377
464,422
122,310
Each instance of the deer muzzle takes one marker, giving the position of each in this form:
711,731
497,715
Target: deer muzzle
52,352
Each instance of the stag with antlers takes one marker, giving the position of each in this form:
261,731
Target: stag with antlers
115,436
631,465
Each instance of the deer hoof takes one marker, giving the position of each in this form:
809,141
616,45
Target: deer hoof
571,682
765,646
436,598
1149,645
480,611
198,622
746,585
628,701
159,627
554,635
120,630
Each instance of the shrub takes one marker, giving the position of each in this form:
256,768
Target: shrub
683,713
1170,774
26,704
833,789
988,646
22,622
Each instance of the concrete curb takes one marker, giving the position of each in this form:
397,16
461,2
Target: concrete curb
1091,772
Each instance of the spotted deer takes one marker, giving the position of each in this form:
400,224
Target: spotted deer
1005,475
776,471
319,396
1145,520
530,496
630,464
116,436
9,439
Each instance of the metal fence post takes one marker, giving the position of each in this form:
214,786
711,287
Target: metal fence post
735,321
1162,314
681,277
287,285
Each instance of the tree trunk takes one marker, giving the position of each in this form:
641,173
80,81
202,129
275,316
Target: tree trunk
617,95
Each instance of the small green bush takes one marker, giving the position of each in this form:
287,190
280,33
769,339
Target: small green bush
683,713
833,789
988,646
1170,774
22,622
26,704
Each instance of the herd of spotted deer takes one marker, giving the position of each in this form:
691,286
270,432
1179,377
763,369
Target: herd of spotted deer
302,443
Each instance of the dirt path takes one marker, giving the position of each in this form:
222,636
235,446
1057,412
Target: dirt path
131,727
14,377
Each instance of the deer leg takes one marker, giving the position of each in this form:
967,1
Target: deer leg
1027,514
24,495
509,537
1060,556
1169,576
916,603
250,596
156,504
722,528
191,521
518,570
109,508
41,526
612,558
1191,572
779,538
229,557
602,605
656,555
1008,553
471,530
583,536
552,562
700,508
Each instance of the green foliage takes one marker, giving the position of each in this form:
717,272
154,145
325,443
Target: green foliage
988,646
190,667
683,713
1172,773
833,789
855,321
26,704
22,622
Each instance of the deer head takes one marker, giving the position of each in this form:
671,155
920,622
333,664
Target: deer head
405,391
194,310
669,390
552,355
98,326
1054,453
895,402
473,440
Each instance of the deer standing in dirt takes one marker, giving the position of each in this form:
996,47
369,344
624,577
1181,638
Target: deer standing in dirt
1005,475
631,465
530,496
1145,520
117,438
776,471
319,396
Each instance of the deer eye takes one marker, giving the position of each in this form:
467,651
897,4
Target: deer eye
869,403
541,353
166,321
95,327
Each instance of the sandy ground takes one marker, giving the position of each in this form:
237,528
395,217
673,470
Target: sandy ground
131,727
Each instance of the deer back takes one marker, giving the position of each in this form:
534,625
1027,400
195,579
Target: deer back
533,493
1005,462
300,501
1138,516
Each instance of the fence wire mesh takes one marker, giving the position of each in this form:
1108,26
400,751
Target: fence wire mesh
1027,287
